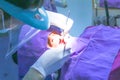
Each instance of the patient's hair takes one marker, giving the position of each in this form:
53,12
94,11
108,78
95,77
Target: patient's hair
24,4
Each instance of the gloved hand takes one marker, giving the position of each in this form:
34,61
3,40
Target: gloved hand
52,60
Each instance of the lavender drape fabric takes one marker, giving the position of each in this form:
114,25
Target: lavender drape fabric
31,50
115,71
111,3
95,61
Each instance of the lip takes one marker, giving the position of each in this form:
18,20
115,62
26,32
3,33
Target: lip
61,41
27,16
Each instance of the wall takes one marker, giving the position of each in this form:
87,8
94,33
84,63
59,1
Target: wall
80,12
8,69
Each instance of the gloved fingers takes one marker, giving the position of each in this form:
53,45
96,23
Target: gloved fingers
51,60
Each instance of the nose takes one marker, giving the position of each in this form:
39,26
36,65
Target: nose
62,41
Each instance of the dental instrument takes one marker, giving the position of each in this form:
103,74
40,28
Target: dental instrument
65,32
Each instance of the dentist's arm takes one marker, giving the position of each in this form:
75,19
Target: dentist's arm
60,20
33,74
49,62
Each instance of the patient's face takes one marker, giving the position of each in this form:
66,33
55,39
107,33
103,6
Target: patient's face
54,40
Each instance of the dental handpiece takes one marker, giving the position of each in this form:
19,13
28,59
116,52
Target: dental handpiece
64,31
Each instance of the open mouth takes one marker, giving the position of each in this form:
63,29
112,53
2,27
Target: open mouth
61,41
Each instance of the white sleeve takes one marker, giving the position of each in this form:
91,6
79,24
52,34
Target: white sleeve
60,20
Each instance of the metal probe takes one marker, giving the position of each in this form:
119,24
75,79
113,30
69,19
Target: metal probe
64,32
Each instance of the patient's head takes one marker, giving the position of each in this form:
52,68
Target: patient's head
55,39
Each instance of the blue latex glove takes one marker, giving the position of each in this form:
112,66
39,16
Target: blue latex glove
49,62
29,17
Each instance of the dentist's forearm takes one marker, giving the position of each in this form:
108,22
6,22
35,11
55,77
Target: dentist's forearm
33,74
